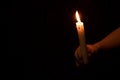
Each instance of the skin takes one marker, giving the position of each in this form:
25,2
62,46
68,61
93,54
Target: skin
110,41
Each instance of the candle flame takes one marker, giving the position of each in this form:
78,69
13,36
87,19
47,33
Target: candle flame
77,16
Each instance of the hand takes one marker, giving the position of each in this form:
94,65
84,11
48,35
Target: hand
90,49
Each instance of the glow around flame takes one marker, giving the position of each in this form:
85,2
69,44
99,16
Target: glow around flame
77,16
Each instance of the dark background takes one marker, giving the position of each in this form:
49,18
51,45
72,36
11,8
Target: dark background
44,34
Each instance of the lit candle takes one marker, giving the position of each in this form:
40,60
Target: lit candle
82,41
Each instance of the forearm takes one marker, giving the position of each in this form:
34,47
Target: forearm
110,41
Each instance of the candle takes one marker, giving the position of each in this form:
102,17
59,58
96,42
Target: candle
81,35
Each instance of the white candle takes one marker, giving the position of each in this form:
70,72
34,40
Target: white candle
82,41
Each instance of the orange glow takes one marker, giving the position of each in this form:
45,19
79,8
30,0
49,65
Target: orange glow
77,16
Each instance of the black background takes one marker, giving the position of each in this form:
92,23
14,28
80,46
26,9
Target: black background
42,34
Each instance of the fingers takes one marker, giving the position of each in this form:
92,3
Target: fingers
78,57
90,50
77,64
77,54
